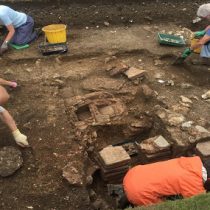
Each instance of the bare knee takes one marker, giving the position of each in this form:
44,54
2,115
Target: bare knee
4,96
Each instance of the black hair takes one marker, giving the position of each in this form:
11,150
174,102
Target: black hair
206,164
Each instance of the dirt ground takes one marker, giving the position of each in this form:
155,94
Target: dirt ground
38,104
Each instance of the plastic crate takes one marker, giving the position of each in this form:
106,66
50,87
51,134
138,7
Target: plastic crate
168,39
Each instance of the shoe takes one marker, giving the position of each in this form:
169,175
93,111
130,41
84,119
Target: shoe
201,61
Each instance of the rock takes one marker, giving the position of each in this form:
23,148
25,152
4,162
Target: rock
37,63
206,95
203,149
59,81
97,204
106,23
133,73
9,71
170,83
147,91
169,117
175,119
117,68
148,18
186,85
148,28
201,129
92,195
187,124
89,180
73,172
10,161
185,100
56,76
161,81
28,70
158,62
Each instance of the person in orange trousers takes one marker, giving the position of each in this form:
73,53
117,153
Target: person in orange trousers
153,183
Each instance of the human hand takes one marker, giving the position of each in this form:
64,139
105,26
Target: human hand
13,84
4,47
186,52
20,138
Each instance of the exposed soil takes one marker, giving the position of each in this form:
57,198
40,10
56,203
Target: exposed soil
38,104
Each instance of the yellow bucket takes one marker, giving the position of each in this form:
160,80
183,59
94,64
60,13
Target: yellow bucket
195,41
55,33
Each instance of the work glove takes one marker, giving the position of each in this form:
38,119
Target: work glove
199,34
20,138
186,53
4,47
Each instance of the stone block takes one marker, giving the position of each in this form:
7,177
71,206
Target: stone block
133,73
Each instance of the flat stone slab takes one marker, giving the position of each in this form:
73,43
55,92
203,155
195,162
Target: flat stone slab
203,148
112,156
10,161
133,73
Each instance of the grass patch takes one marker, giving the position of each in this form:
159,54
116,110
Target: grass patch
201,202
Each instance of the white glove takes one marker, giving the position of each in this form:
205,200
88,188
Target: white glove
20,138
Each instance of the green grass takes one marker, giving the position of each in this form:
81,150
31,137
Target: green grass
201,202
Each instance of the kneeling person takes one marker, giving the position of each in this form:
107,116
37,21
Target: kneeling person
19,25
153,183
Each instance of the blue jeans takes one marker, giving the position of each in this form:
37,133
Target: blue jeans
24,34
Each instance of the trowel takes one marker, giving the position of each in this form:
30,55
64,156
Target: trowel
179,61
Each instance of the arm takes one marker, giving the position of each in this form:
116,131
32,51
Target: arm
20,138
11,33
7,119
4,96
4,46
201,42
6,82
207,28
